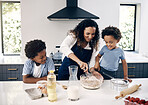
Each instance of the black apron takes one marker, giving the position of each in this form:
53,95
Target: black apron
83,54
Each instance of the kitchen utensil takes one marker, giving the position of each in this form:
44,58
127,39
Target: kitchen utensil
42,85
90,81
34,93
87,74
126,81
63,86
117,84
128,91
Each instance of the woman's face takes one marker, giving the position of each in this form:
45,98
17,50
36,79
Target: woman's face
89,33
41,57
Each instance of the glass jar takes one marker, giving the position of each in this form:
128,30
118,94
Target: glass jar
73,84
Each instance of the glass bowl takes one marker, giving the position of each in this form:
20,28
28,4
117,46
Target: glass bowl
90,81
119,84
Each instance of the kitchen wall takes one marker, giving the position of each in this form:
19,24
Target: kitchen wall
35,24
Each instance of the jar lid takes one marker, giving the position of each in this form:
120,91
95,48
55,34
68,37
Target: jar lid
51,71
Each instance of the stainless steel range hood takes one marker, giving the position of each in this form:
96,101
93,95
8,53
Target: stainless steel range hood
72,11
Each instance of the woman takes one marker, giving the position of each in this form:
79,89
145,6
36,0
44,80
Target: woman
79,48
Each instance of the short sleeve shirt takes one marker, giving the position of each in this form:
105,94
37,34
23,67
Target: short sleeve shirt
45,68
110,58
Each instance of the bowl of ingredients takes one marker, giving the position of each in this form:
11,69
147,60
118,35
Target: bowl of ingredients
43,86
118,84
90,81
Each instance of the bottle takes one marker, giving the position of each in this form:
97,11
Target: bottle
73,84
51,86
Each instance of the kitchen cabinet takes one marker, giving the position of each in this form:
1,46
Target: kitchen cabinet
11,72
135,70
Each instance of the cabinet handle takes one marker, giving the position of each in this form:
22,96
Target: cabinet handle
13,78
131,67
131,75
12,69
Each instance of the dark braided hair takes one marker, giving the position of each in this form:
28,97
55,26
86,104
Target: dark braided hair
79,32
33,47
113,31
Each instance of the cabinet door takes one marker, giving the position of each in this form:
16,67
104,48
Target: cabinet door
145,72
136,70
119,72
12,72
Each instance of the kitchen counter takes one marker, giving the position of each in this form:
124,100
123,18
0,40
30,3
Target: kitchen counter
12,93
12,60
131,57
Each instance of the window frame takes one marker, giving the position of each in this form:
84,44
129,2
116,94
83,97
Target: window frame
1,19
135,18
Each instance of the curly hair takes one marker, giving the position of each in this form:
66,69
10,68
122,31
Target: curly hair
33,47
79,32
113,31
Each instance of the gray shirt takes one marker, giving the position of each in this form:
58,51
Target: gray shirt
110,58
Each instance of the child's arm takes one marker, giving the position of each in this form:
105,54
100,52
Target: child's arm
29,79
125,70
97,65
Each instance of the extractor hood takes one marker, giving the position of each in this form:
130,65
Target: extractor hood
72,11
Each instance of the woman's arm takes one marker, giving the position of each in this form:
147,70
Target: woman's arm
125,70
29,79
65,48
66,45
82,65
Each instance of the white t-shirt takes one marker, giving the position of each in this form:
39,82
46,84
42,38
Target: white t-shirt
37,71
69,42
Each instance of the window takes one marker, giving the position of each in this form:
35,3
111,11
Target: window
127,26
11,27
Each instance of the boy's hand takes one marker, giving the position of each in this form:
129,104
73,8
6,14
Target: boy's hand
97,66
97,75
126,78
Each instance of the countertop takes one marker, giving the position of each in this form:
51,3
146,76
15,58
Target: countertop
12,93
131,57
12,60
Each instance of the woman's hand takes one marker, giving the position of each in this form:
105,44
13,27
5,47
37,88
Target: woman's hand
83,66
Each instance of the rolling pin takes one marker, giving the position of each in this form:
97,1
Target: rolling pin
128,91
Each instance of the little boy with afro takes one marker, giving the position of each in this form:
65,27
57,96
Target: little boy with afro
38,64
